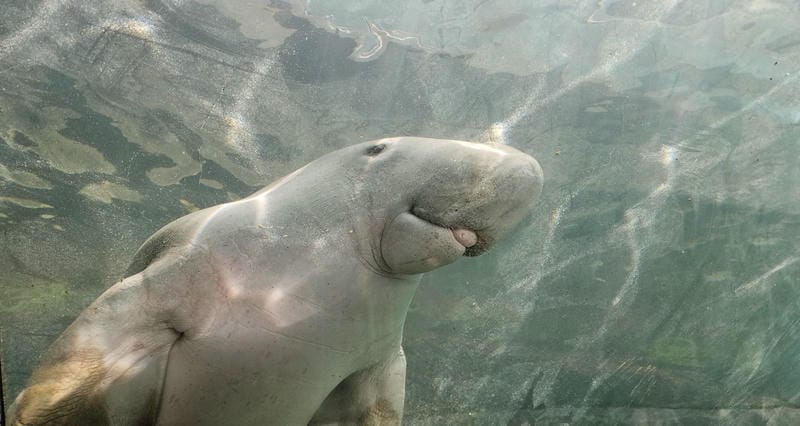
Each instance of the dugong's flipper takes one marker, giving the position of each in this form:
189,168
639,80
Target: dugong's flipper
372,396
109,364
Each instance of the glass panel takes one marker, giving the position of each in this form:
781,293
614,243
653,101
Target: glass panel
654,281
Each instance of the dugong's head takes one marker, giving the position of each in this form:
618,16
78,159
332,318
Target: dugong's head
423,203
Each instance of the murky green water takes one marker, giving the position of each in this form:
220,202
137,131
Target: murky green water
656,281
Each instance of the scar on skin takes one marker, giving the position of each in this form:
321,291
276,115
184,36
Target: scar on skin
380,413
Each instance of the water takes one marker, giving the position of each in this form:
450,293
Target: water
655,282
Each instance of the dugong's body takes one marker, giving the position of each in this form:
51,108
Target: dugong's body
286,307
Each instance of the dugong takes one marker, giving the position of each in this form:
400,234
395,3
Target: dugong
286,307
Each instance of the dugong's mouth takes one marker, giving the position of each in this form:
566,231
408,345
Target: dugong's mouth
478,248
465,237
473,242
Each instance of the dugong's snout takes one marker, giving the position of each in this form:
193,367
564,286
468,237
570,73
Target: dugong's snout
472,196
512,187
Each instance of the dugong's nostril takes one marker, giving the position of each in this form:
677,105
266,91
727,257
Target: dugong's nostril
375,149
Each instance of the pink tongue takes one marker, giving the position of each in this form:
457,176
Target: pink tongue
465,237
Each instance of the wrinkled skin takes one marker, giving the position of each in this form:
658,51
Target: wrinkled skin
286,307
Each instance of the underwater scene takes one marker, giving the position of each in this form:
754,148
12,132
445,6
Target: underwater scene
434,212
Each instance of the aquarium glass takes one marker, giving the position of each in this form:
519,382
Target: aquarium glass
656,281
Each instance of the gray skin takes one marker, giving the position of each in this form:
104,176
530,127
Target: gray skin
286,307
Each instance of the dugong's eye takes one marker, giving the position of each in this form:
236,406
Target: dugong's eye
376,149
